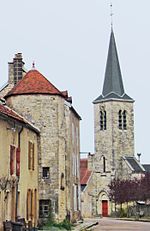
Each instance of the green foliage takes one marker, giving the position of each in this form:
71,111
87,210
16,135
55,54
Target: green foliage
122,212
62,225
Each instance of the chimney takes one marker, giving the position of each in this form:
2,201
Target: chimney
15,69
139,157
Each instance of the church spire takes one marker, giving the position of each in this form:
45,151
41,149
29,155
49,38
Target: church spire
113,79
113,87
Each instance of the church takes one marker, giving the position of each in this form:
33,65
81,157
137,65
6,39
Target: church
113,141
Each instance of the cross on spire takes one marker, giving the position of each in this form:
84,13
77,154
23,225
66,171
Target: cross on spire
111,14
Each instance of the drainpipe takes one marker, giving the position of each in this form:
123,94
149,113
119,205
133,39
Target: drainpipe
16,209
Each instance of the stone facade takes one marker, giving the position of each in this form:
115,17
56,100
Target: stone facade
113,143
110,146
58,147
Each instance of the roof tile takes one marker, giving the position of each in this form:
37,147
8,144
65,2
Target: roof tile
6,111
35,83
84,172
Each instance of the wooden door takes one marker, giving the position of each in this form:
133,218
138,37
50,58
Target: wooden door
104,208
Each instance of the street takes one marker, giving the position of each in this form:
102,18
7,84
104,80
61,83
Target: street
108,224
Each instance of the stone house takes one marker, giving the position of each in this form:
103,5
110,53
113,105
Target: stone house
51,110
18,167
113,137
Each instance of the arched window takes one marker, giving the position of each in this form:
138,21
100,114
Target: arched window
124,120
103,120
120,119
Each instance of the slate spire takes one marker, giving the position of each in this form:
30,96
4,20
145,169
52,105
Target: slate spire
113,87
113,79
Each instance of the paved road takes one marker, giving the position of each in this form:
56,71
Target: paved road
107,224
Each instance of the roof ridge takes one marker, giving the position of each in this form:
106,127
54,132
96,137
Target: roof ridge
35,83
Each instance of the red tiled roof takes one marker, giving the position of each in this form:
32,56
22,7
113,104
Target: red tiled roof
35,83
6,111
84,172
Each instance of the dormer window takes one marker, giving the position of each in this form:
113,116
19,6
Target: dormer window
103,120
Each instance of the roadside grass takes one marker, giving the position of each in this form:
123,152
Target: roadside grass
51,225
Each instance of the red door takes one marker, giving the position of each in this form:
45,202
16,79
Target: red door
105,208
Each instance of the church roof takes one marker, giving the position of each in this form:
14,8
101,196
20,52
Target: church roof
35,83
134,164
113,87
146,167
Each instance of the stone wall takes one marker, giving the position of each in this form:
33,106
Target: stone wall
58,147
113,143
110,146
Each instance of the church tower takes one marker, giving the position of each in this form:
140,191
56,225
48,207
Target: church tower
114,117
113,129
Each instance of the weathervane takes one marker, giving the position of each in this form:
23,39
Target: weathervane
111,14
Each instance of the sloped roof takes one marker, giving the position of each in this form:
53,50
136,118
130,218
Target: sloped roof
135,165
35,83
146,167
113,87
6,112
84,172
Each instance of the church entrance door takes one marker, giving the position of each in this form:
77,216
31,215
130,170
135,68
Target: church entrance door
104,208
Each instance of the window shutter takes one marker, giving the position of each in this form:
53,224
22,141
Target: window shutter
29,155
18,162
12,159
32,156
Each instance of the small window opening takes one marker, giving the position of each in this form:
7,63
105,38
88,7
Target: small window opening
104,164
103,120
120,119
124,120
46,174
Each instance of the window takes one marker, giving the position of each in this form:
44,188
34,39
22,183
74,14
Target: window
45,173
44,208
18,162
29,204
12,159
122,120
30,156
62,182
104,164
103,120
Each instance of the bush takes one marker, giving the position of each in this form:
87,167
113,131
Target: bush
122,212
64,224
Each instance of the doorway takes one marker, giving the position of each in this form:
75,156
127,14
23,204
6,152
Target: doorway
104,208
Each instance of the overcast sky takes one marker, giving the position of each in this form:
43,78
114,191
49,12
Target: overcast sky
68,40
